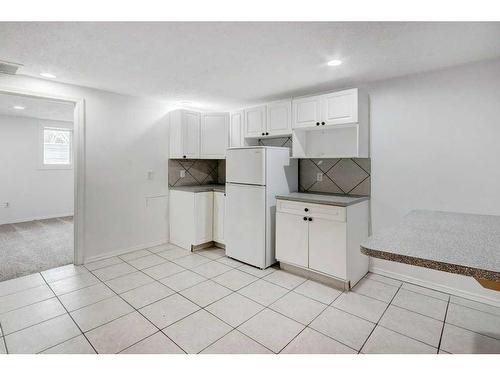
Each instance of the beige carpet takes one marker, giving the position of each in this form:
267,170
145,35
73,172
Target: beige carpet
35,246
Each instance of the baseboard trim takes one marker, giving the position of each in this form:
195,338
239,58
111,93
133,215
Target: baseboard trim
436,286
117,252
33,218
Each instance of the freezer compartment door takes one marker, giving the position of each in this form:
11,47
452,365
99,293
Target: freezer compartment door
246,223
246,166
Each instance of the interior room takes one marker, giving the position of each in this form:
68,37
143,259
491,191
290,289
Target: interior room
36,222
253,188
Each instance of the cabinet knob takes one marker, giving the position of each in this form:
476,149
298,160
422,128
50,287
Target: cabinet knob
323,123
267,133
306,209
263,134
305,218
317,124
310,219
184,156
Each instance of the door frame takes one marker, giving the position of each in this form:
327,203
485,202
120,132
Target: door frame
78,165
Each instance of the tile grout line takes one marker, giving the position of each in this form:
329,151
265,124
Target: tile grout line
3,339
444,323
77,326
377,323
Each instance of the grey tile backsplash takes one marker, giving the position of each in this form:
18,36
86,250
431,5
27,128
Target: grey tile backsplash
341,176
197,172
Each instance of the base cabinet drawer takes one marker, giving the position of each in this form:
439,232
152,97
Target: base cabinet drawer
291,239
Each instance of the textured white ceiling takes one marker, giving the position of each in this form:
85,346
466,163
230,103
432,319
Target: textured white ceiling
38,108
223,65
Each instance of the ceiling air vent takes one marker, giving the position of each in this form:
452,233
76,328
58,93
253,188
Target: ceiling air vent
7,67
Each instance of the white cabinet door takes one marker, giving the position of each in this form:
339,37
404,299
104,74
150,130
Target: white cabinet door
213,139
218,225
292,239
203,217
255,122
306,112
279,121
190,134
237,119
181,209
327,247
175,135
340,107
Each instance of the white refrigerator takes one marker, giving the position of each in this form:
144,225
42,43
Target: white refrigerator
254,176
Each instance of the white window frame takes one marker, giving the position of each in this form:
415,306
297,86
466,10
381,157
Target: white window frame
41,150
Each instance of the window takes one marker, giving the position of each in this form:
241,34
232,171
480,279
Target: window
56,147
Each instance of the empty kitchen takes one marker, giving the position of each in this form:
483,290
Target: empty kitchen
250,188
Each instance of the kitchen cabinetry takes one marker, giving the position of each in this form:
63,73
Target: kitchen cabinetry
184,134
333,125
196,217
322,238
270,120
236,129
213,142
218,217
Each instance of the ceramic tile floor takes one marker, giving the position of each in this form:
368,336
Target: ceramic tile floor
168,300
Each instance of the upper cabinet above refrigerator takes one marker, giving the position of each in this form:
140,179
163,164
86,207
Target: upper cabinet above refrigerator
269,120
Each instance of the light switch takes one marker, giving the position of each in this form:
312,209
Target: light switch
319,177
151,175
183,173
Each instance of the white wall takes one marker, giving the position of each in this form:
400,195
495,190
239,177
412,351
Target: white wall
435,144
125,138
32,193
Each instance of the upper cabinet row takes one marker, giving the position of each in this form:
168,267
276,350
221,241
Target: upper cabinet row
195,135
326,126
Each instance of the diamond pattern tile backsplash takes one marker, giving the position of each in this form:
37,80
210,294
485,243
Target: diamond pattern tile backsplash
197,172
339,176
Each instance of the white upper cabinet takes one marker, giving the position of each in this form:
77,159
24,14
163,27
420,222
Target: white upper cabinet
279,121
269,120
336,108
213,139
237,120
340,107
333,125
184,134
307,112
255,121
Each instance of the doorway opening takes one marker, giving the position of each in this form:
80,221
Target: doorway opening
38,160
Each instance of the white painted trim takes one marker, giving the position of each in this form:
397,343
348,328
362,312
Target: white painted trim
436,286
114,253
32,218
79,162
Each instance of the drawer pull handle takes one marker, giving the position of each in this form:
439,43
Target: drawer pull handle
306,209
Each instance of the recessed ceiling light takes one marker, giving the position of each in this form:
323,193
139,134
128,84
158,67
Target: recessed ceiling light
334,63
20,107
47,75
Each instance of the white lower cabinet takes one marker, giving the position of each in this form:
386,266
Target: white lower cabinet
218,217
323,238
196,218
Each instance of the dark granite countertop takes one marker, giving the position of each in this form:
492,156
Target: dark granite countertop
329,199
465,244
201,188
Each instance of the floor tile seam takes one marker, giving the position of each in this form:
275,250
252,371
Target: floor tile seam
74,322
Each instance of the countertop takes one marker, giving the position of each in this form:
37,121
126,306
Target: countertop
201,188
329,199
466,244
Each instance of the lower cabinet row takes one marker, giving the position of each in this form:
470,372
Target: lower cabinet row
196,218
322,238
